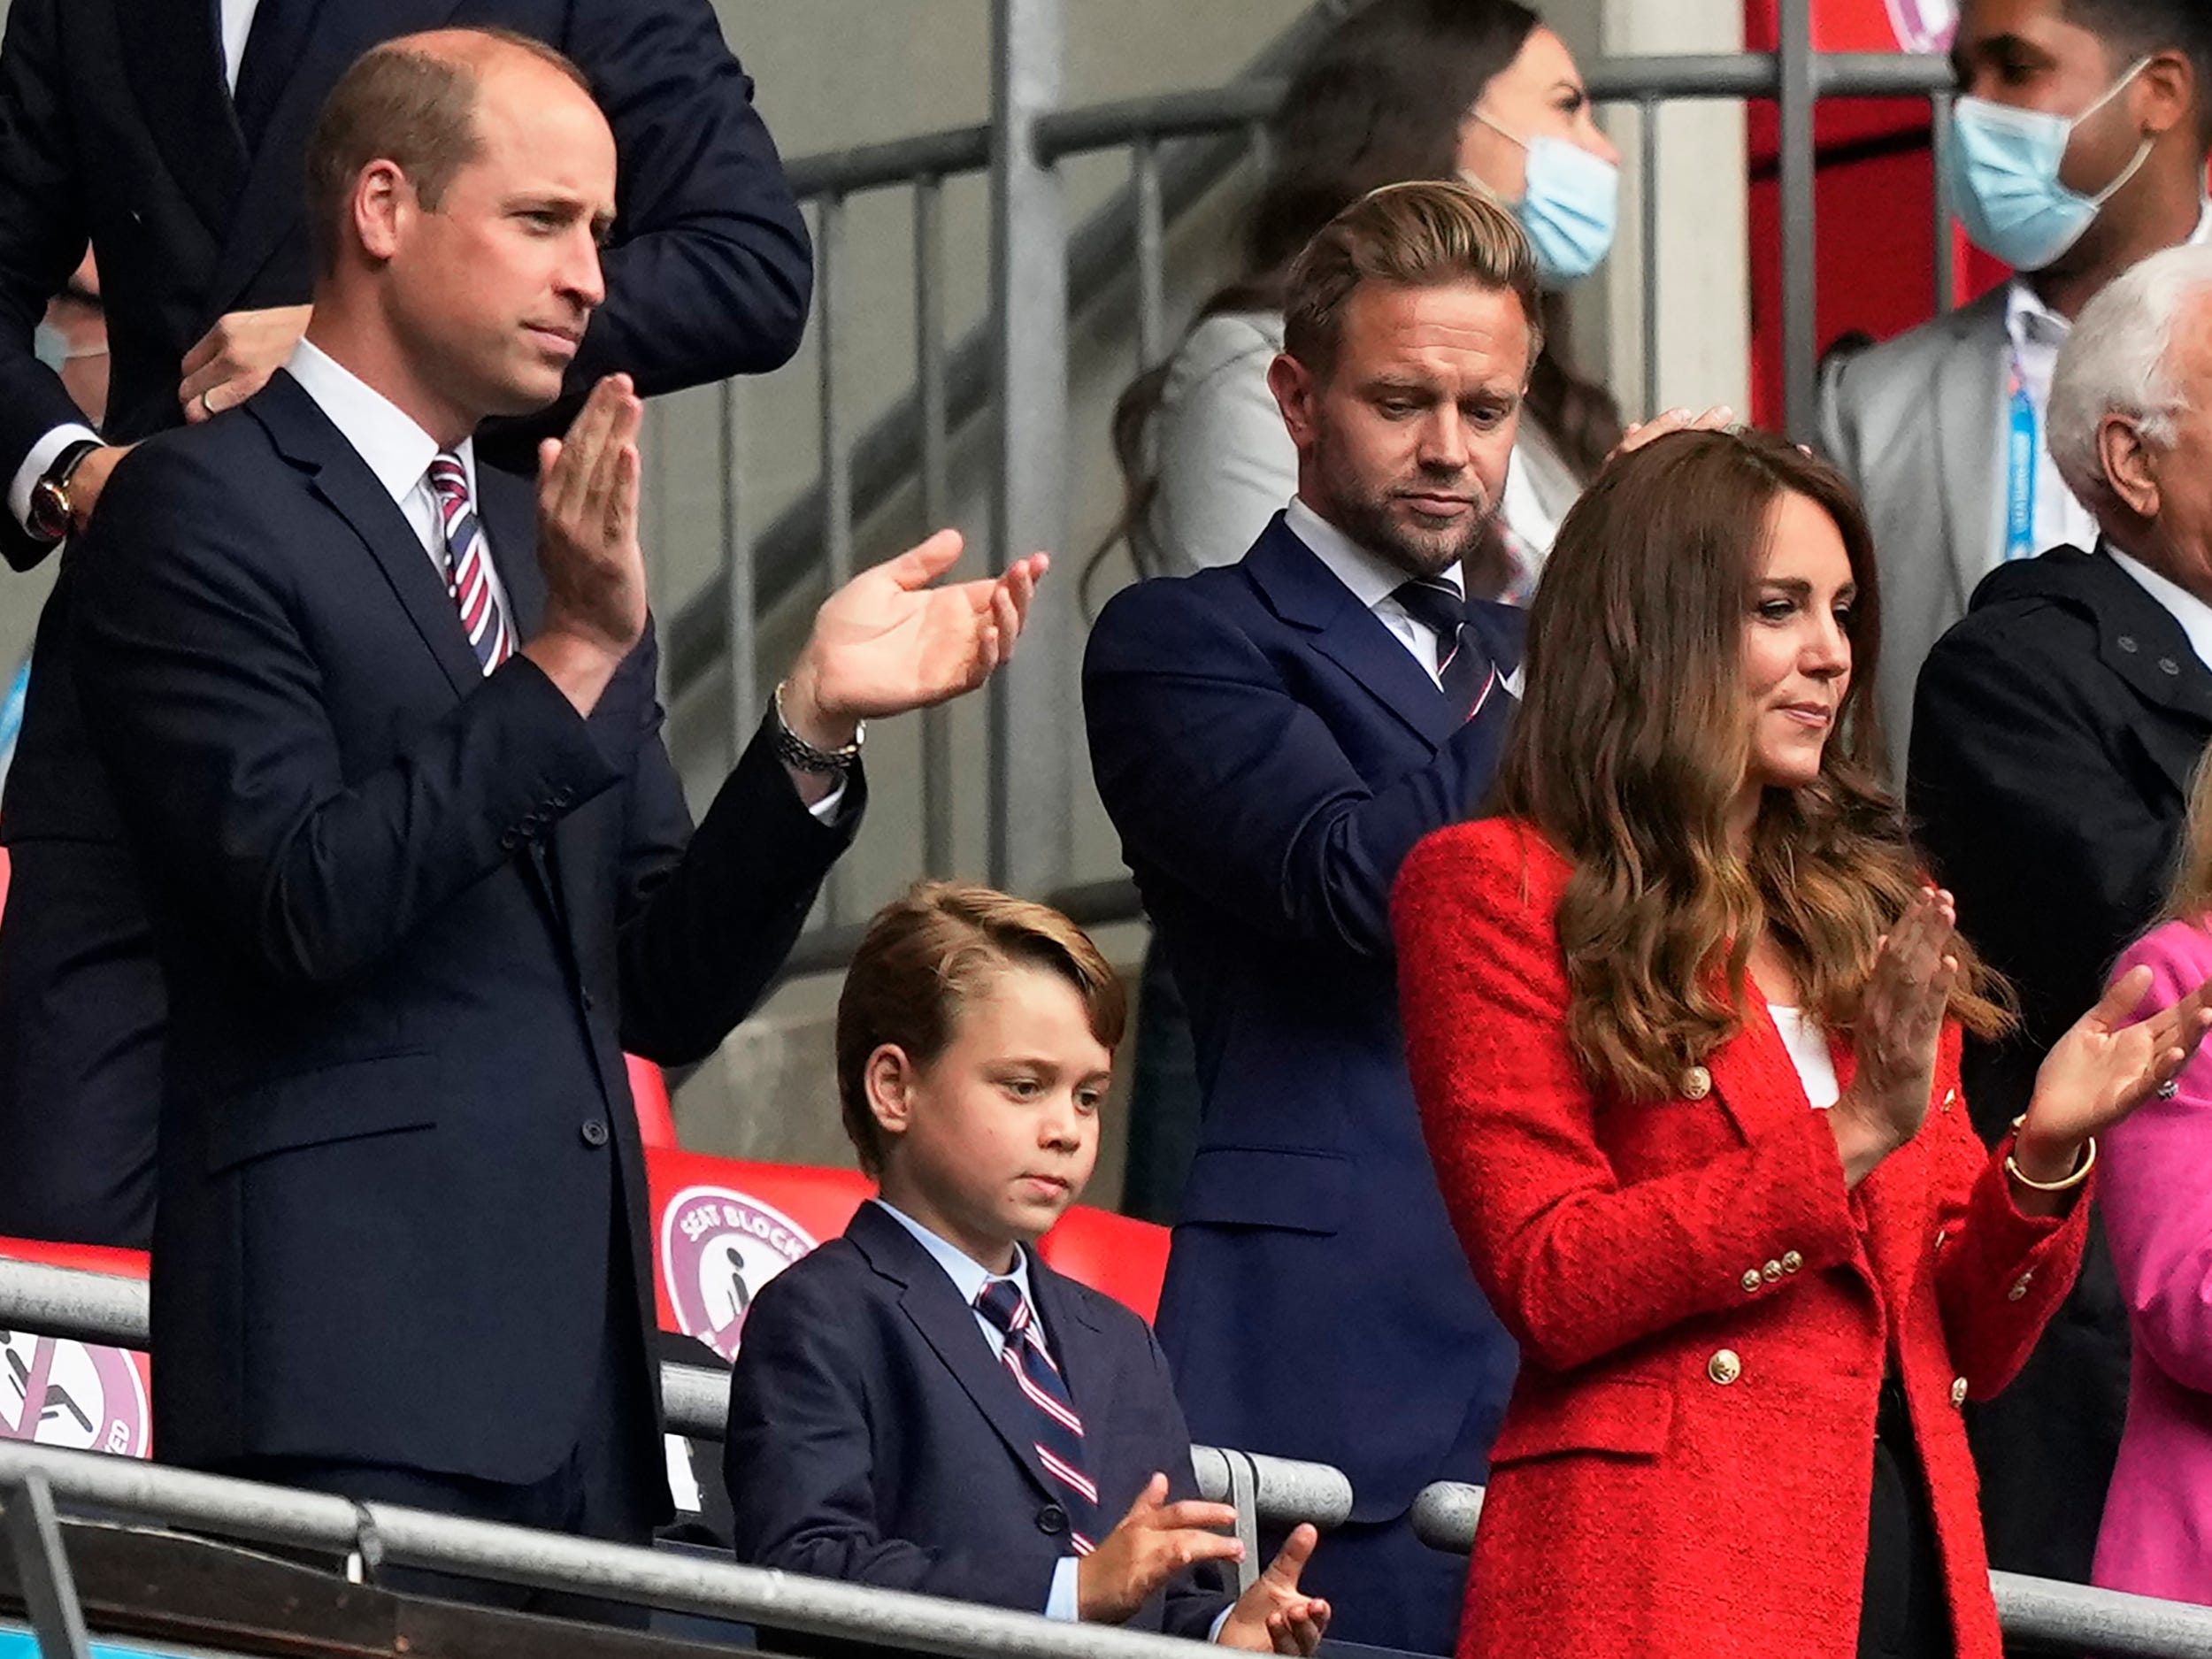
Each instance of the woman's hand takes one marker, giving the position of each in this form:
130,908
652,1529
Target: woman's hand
1898,1025
2103,1069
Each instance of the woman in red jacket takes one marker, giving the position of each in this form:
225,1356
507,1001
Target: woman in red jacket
1684,1026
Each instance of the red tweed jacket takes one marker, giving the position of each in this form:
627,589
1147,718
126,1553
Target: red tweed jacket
1704,1309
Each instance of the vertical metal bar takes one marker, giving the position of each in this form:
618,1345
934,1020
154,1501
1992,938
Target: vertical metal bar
741,615
1033,706
837,460
41,1567
1800,239
1244,1495
1940,141
929,356
1144,166
1648,185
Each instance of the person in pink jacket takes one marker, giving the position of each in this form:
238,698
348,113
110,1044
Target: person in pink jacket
2156,1206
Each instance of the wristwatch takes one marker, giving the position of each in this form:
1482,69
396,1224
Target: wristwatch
795,751
51,516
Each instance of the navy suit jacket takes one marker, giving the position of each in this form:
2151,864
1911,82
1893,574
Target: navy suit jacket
410,917
116,126
1270,753
874,1437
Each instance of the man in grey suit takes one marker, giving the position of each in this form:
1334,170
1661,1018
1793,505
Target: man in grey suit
2080,149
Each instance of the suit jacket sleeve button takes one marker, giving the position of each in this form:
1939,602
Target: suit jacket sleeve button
2020,1286
1052,1520
1751,1279
1791,1261
595,1133
1772,1270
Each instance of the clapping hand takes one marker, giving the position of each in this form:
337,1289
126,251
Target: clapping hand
889,641
2103,1068
1899,1023
1153,1542
1274,1616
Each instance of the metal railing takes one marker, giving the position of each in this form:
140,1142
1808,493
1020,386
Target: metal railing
1271,1492
1044,271
112,1310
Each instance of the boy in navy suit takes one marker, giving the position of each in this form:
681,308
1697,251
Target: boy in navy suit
923,1404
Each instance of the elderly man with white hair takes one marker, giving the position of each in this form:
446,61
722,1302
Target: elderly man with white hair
2054,732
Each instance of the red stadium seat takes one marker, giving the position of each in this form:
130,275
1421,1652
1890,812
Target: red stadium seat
1124,1258
656,1123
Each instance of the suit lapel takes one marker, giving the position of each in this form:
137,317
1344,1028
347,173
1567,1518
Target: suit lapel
1753,1079
1968,410
270,184
1308,595
947,1325
174,60
304,436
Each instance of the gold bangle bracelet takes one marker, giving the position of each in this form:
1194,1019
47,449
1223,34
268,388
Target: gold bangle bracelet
2081,1172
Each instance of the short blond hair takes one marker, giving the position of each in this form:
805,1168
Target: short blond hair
1421,233
925,955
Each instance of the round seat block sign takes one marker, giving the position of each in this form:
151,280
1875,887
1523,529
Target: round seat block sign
719,1246
60,1393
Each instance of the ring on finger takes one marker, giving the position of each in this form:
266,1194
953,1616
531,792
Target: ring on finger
2167,1089
207,400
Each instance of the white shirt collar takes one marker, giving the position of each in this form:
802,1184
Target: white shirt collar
1371,578
968,1275
2192,612
2028,320
397,450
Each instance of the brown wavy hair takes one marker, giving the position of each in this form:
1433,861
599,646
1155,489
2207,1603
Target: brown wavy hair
1632,744
1381,101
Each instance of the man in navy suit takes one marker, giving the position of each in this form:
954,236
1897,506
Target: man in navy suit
923,1404
168,135
420,867
1272,739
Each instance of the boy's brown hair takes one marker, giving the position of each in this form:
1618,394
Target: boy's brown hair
925,955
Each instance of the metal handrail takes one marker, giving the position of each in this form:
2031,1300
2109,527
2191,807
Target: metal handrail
554,1561
112,1310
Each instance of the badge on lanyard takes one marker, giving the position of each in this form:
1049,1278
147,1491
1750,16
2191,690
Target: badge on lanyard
2021,443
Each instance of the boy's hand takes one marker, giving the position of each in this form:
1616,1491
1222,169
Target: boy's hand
1272,1617
1156,1541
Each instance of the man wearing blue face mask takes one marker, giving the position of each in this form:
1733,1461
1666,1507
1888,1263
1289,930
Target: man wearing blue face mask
2081,141
2080,151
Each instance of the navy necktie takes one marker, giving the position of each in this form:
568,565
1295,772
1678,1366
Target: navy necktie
1059,1431
1461,662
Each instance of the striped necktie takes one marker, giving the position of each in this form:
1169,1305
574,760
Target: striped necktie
1059,1430
468,572
1461,664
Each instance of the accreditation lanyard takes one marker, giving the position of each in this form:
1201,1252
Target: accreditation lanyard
2022,441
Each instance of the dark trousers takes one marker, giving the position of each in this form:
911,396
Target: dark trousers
1904,1612
81,1010
610,1486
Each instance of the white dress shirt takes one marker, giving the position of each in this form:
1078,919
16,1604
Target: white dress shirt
2036,334
2192,612
1374,581
1808,1043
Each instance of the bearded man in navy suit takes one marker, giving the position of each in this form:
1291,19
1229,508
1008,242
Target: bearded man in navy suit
1272,739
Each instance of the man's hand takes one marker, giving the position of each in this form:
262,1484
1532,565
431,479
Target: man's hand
887,641
588,545
235,358
1274,1616
1156,1541
1718,419
89,478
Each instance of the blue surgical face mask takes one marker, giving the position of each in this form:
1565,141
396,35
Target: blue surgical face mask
1569,209
2001,171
